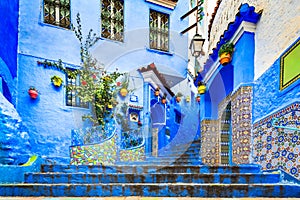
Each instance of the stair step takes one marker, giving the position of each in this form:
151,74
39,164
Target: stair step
137,169
55,178
145,189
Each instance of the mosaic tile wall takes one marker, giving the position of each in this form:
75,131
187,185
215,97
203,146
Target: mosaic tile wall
241,119
210,142
137,154
279,148
97,154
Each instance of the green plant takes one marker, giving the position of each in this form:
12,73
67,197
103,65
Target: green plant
56,80
228,47
97,87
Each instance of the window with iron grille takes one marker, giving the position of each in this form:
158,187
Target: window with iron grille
57,12
159,31
112,19
71,98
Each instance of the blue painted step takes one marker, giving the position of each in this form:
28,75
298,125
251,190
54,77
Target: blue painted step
146,189
55,178
138,169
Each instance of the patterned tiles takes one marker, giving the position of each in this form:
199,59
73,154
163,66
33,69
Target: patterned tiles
210,151
241,112
137,154
278,148
97,154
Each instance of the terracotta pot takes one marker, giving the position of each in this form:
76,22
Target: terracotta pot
225,58
123,92
33,94
163,101
178,99
198,99
156,93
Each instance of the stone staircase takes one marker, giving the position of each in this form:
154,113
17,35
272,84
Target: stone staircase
176,174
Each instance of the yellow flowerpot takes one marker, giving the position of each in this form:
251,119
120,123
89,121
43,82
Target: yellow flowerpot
123,92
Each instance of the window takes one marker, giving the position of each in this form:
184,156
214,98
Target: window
159,31
57,12
112,19
71,98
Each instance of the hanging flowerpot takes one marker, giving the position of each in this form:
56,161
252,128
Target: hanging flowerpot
201,87
123,92
156,92
225,53
188,99
178,97
225,58
56,81
33,93
198,98
163,101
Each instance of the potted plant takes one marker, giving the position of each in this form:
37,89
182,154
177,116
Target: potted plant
225,53
33,92
156,92
188,99
164,99
124,86
201,87
56,81
178,97
198,98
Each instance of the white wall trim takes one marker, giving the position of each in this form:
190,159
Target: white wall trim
244,27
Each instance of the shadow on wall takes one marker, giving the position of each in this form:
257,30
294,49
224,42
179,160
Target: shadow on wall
15,142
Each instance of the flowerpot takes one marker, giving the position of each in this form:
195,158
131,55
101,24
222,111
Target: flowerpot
56,81
123,92
178,99
198,99
156,93
201,89
188,99
33,94
225,58
163,101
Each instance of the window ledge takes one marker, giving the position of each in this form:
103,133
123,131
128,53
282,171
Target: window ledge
159,51
166,3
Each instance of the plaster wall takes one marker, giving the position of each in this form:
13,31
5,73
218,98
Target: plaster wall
48,118
274,31
9,34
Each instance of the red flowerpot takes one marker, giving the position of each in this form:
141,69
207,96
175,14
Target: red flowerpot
33,93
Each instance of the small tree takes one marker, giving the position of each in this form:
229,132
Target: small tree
97,86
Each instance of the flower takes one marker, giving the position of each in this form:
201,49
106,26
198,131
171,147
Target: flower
83,82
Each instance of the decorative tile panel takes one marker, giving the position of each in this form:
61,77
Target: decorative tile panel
210,142
98,154
241,114
278,148
137,154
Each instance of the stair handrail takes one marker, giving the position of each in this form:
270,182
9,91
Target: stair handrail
275,120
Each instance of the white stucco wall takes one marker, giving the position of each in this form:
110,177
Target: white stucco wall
277,29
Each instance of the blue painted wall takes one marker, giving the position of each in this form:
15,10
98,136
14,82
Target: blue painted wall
48,118
267,96
9,34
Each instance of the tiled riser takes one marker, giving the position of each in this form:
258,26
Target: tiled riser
151,178
172,190
150,169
